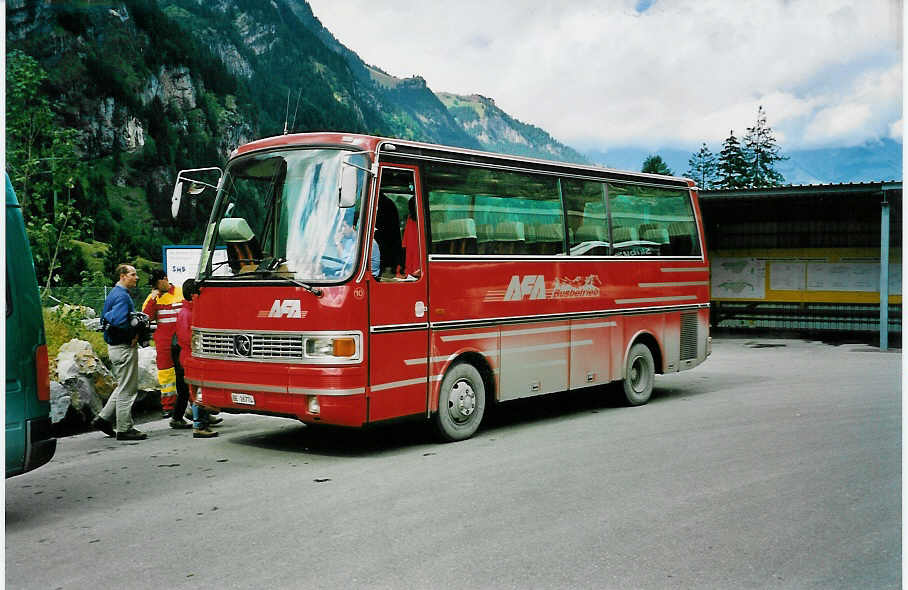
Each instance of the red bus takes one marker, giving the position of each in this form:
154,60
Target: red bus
369,279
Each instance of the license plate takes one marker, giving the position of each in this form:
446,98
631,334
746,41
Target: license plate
242,398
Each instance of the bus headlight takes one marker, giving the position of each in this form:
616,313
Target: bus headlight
195,342
328,347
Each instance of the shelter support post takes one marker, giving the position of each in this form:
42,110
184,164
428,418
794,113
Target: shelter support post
884,273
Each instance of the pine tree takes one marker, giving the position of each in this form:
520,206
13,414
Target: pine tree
733,167
654,164
703,168
762,153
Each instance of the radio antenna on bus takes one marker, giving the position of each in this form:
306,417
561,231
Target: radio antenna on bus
287,112
298,95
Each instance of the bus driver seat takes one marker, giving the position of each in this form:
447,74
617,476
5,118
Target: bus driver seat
243,249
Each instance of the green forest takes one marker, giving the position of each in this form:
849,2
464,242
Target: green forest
94,142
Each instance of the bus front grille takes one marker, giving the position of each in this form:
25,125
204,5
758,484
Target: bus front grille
257,346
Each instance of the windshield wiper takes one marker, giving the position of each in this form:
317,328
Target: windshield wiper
269,272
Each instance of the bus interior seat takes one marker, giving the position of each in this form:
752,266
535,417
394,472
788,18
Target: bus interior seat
509,237
656,234
243,248
457,236
625,234
659,235
680,238
546,238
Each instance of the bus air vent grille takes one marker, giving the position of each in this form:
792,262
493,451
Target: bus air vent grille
688,336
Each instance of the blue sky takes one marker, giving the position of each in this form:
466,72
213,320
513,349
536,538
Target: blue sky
649,73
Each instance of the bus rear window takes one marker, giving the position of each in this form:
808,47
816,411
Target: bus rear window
648,221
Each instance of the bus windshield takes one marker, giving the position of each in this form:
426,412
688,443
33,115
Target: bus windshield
278,216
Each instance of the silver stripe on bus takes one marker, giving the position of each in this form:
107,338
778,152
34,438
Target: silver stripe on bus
404,383
528,331
596,325
681,284
244,387
398,328
538,347
469,336
445,358
551,363
555,258
576,315
327,392
694,269
656,299
167,320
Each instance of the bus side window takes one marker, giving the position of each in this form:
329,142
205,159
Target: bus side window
649,221
495,212
588,230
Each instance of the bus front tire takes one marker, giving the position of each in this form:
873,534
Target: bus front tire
461,403
639,376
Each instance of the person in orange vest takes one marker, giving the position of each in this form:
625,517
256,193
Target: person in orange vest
162,306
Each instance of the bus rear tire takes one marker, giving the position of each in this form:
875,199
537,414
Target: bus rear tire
461,403
639,375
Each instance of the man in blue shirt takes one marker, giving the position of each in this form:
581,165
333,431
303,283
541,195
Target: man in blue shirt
115,419
376,259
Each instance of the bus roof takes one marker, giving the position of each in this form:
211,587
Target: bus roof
418,150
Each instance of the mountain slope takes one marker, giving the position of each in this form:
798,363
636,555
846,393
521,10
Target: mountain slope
496,131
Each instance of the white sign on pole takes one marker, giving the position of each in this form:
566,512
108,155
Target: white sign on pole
182,262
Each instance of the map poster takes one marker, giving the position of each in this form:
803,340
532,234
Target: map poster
843,276
738,278
787,276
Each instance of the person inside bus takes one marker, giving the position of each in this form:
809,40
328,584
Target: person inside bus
376,260
411,243
387,233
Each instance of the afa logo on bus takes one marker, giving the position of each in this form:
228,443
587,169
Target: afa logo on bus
532,286
289,308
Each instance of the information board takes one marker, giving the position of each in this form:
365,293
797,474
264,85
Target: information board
182,262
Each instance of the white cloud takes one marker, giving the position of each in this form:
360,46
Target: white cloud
684,71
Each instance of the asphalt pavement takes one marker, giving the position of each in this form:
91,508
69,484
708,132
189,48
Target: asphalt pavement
775,464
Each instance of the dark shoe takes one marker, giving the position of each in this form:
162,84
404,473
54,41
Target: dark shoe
103,425
131,434
166,414
213,412
203,433
180,424
214,421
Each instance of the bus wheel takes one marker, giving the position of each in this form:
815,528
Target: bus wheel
640,375
461,403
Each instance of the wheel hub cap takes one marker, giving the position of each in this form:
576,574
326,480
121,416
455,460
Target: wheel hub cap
462,401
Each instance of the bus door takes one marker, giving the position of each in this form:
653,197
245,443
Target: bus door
398,300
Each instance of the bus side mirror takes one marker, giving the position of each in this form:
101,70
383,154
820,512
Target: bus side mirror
177,197
196,187
349,187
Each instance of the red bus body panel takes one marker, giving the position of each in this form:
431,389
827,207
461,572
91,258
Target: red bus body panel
533,325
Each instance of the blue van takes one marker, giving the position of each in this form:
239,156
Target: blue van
28,432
